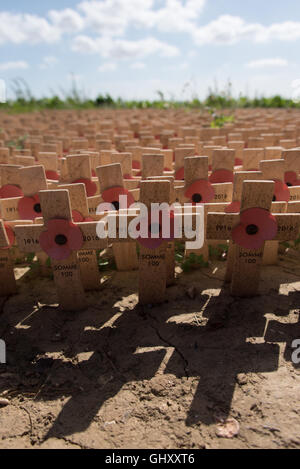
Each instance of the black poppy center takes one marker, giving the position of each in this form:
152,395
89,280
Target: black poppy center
197,198
116,204
154,228
289,184
61,239
37,208
274,198
252,230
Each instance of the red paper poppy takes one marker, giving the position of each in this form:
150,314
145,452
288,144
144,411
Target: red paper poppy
200,192
61,238
234,207
112,196
238,162
136,164
94,175
256,226
52,175
167,170
179,175
10,234
91,187
291,179
10,191
221,176
30,208
128,176
79,218
156,228
281,192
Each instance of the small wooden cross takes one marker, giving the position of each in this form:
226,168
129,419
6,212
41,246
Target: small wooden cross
252,227
8,284
111,177
79,170
222,166
87,258
62,242
154,262
198,190
32,179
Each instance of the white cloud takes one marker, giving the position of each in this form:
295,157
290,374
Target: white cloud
108,67
48,62
114,17
229,29
20,28
138,66
122,48
264,63
67,20
104,25
19,65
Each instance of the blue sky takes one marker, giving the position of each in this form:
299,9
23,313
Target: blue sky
132,48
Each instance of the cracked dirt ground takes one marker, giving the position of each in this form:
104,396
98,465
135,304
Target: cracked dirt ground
121,376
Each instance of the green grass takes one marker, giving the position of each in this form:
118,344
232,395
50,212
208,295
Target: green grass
75,98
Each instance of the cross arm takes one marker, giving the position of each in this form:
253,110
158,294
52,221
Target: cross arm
288,226
90,237
220,225
28,237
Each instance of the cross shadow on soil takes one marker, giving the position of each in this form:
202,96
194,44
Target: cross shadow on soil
91,356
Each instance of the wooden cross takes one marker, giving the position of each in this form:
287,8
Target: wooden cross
196,170
154,261
8,284
247,262
79,170
292,167
152,164
32,179
10,181
56,208
222,166
110,176
87,258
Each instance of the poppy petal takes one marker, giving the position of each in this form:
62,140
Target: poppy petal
263,219
238,162
113,194
234,207
266,226
200,192
10,191
246,241
154,243
77,217
59,253
221,175
52,175
281,193
179,175
91,187
46,240
136,164
29,208
73,234
291,178
75,237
